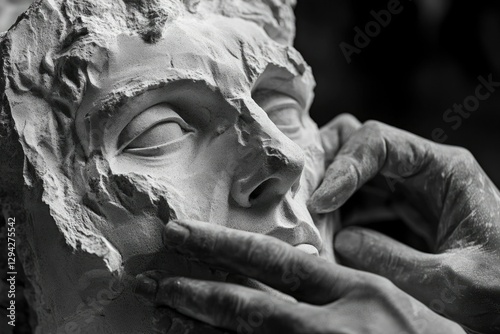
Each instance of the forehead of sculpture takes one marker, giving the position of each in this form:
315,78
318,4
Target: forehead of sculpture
229,55
148,17
224,52
72,35
276,17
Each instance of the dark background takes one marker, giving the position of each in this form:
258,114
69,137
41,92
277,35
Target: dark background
428,58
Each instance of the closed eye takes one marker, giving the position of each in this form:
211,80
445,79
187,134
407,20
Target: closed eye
152,130
284,111
286,117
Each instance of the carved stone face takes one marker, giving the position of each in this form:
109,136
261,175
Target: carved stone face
210,122
227,147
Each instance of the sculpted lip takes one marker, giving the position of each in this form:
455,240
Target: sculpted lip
308,248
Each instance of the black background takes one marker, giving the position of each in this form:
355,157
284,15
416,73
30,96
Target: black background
424,61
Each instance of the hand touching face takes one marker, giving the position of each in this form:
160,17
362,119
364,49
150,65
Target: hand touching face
459,202
329,298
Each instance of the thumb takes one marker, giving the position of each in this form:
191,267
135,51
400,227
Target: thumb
418,274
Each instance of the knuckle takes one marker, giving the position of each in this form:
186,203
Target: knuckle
378,288
263,253
466,287
346,118
460,164
462,154
459,155
226,297
371,287
214,245
389,262
380,285
231,305
374,126
374,133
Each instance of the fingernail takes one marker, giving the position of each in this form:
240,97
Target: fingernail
146,287
348,243
175,234
320,204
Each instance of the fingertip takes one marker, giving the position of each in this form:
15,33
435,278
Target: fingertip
324,199
348,242
175,234
156,275
339,184
320,206
146,287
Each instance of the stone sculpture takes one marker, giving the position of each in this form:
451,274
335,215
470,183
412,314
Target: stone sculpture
118,116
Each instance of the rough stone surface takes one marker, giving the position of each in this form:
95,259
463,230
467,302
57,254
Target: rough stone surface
118,116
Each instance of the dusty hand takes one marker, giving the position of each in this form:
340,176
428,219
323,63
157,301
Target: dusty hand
331,298
461,280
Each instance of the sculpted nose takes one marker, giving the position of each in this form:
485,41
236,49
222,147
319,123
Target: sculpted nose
268,171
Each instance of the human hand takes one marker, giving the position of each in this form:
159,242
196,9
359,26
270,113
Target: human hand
461,280
331,298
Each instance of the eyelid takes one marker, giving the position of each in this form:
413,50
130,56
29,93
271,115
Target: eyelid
263,95
293,105
156,152
159,117
278,107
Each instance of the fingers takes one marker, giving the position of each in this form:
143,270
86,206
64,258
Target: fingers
375,306
266,259
374,148
336,133
225,305
416,273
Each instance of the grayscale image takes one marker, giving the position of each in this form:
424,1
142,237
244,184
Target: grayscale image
249,166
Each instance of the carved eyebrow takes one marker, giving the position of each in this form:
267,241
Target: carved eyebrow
107,106
116,99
